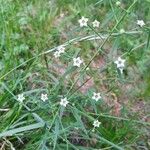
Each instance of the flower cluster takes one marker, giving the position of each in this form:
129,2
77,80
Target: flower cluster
78,61
60,50
84,22
44,98
63,101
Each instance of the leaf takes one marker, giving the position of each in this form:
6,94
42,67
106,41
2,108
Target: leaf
56,132
78,118
110,143
21,129
148,40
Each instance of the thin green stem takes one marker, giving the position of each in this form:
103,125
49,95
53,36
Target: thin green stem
101,46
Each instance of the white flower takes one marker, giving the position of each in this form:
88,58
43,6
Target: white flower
96,96
77,61
96,123
61,49
96,23
140,23
120,62
44,97
21,98
56,54
64,102
83,21
118,3
122,31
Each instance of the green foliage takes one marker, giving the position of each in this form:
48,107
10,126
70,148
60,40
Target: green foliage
30,32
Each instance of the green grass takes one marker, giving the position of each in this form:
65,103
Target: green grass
30,32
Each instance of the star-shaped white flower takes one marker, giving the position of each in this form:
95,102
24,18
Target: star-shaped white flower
61,49
77,61
96,96
120,62
96,23
64,102
44,97
56,54
20,98
140,23
83,21
96,123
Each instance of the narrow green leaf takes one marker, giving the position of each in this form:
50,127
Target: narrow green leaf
21,129
78,118
110,143
56,132
148,39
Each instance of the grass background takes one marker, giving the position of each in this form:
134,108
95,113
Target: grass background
29,29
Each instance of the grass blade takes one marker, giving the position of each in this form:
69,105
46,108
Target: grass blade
21,129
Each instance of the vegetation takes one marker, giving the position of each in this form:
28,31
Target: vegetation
69,83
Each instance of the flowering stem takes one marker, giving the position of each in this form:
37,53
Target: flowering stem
104,42
95,32
91,37
88,115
